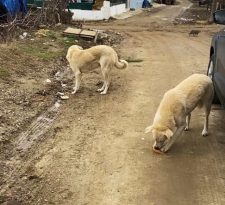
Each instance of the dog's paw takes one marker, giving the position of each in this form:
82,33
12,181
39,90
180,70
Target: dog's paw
73,92
99,90
204,133
186,129
163,149
103,93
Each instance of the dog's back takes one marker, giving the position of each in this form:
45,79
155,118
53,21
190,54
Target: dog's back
188,94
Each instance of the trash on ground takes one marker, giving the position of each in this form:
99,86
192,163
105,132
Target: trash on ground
64,97
42,33
93,34
60,93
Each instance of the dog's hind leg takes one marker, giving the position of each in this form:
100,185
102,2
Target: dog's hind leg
77,82
207,109
106,81
188,118
207,103
106,68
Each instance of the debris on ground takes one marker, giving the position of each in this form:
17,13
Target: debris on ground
34,76
184,20
194,14
99,36
42,33
64,97
83,33
48,81
59,93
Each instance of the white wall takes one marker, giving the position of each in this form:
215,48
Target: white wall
105,13
118,9
86,15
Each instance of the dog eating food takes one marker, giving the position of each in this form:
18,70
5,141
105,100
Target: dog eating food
174,112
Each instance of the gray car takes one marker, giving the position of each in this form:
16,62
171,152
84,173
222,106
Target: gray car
216,68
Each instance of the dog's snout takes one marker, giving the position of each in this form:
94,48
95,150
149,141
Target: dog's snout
156,147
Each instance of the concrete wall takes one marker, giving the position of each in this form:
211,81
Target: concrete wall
118,9
105,13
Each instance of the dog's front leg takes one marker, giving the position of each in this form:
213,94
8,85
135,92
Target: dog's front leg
77,82
177,133
106,81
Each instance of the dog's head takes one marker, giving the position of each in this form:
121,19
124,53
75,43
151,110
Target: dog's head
70,51
162,137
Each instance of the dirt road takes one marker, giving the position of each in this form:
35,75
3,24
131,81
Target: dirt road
99,153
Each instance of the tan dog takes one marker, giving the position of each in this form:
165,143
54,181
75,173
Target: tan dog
174,112
85,60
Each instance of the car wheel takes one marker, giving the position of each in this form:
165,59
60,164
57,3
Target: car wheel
168,2
210,74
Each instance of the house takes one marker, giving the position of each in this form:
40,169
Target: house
92,9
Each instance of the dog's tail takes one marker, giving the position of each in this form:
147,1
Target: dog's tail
121,64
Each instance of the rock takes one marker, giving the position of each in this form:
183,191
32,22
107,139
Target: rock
63,85
58,24
42,26
48,81
25,34
21,37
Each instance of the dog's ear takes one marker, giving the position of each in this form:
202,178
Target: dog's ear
80,47
148,129
168,133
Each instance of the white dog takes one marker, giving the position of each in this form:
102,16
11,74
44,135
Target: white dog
174,112
85,60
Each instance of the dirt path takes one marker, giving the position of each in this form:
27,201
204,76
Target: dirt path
100,154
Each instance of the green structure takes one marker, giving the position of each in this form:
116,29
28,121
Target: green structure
82,6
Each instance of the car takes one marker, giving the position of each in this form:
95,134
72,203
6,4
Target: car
216,67
167,2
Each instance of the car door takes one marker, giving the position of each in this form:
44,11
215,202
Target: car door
219,73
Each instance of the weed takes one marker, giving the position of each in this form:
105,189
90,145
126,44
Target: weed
4,73
42,52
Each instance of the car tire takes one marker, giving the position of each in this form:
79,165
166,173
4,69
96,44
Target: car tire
168,2
210,74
